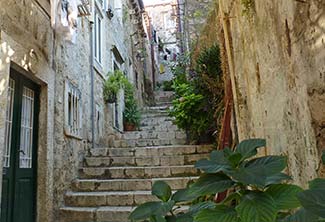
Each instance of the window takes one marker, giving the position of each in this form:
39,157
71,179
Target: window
27,123
98,36
72,110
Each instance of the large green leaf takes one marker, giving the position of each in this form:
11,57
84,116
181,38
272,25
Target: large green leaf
183,195
161,190
317,184
201,206
150,209
217,163
157,219
210,166
210,184
277,178
257,207
314,201
257,171
221,213
300,216
193,210
248,148
285,196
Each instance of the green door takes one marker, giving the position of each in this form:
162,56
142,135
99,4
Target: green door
19,170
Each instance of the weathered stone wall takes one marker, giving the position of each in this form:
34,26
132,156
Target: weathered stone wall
278,54
25,27
163,16
194,16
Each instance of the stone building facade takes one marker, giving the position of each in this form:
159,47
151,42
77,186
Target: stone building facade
193,15
163,17
276,54
61,131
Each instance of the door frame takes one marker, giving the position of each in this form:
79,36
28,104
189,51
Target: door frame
22,81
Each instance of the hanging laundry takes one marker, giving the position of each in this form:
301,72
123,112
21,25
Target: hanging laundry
64,14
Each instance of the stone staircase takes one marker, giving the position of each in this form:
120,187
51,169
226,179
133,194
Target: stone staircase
114,180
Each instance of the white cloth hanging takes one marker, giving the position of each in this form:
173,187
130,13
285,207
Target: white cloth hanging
64,15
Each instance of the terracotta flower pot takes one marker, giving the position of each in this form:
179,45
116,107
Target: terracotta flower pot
129,127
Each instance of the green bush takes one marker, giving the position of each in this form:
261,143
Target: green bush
131,114
259,192
115,81
167,85
198,103
190,111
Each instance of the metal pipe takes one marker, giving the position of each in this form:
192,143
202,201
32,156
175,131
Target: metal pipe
91,24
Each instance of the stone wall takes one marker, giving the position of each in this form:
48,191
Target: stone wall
162,15
278,53
194,15
25,28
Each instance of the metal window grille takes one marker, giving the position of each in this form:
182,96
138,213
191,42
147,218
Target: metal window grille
26,134
72,110
8,129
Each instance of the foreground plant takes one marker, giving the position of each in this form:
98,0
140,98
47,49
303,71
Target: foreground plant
259,192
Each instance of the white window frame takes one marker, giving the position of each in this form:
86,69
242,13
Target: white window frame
73,111
98,33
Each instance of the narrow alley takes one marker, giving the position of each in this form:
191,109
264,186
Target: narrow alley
162,111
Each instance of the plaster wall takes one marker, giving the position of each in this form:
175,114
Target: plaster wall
278,54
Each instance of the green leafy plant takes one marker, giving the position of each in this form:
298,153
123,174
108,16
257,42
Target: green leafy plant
190,111
131,114
198,103
115,81
259,192
168,85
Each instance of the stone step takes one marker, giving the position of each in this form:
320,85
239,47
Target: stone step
95,214
150,151
131,143
164,96
156,109
137,172
117,198
154,114
101,214
165,103
165,120
160,128
177,160
153,135
90,185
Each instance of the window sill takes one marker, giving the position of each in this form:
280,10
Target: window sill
72,135
99,69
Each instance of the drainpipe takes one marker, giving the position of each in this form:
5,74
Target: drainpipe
92,103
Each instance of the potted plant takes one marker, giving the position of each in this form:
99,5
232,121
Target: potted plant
131,114
113,84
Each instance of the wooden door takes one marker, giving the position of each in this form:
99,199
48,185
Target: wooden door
20,157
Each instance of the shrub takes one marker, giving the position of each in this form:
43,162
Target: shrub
198,104
131,114
259,191
168,85
115,81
